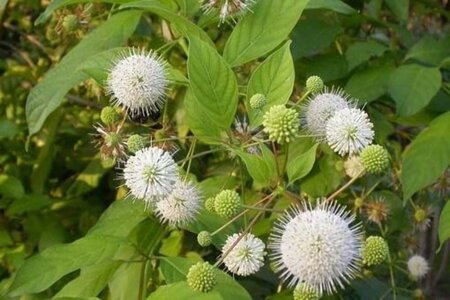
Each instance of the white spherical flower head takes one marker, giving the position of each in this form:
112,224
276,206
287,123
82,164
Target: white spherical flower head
321,107
181,206
349,131
320,247
138,82
418,266
150,173
246,257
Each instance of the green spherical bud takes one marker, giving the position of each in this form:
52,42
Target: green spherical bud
257,101
209,204
136,142
109,115
281,123
227,204
375,159
420,215
314,84
204,238
113,139
201,277
70,23
375,250
305,292
359,202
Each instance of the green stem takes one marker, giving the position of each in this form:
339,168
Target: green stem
344,187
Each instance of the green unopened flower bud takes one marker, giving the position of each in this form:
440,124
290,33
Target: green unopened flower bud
257,101
375,250
136,142
113,139
314,84
209,204
227,204
359,202
70,23
375,159
109,115
281,123
305,292
201,277
204,238
420,215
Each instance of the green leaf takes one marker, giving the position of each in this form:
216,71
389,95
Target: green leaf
335,5
91,282
429,50
29,203
361,52
329,67
213,84
11,187
181,290
300,164
369,84
89,178
399,7
203,127
273,78
261,167
262,30
175,269
48,94
42,270
444,224
311,36
412,87
427,157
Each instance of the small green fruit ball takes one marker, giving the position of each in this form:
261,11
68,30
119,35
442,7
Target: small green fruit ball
70,23
375,250
227,204
281,123
359,202
113,139
420,215
201,277
257,101
204,238
305,292
314,84
209,204
109,115
375,159
136,142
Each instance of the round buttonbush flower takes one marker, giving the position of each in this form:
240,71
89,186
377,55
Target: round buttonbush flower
246,257
227,204
320,108
353,166
418,266
305,292
349,131
109,115
138,82
320,247
227,8
375,250
375,159
150,173
181,206
201,277
281,123
204,238
257,101
209,204
314,84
